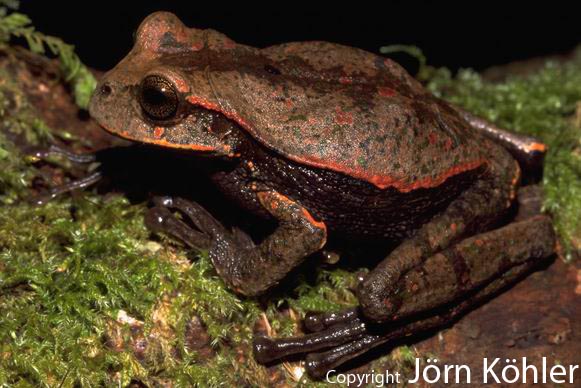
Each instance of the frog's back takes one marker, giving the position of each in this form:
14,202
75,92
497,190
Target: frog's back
347,110
329,106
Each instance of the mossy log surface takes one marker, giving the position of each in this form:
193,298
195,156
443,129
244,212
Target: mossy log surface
89,297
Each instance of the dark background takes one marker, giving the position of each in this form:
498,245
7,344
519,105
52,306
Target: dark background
464,34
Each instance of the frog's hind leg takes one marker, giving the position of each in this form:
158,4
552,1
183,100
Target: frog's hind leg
424,293
530,202
319,363
468,278
469,265
529,151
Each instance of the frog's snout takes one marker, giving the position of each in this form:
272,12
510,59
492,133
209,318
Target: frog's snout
102,100
108,105
101,93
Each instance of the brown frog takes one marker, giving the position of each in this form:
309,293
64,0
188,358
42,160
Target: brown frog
331,141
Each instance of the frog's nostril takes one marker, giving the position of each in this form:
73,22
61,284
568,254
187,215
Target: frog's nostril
105,90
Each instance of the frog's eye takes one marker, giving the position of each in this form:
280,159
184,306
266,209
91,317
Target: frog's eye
158,98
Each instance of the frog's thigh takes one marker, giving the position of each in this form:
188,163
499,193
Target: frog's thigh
460,270
252,270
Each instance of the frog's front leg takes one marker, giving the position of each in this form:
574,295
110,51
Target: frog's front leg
54,150
81,183
248,268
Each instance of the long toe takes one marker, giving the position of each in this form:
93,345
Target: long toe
314,322
268,349
319,364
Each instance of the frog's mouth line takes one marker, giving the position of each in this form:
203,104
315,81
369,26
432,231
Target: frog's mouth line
201,150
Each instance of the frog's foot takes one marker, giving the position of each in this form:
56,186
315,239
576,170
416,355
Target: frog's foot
41,154
160,219
335,336
430,295
54,192
326,330
45,153
247,268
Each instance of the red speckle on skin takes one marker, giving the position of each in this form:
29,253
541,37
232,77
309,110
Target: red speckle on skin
345,80
312,221
288,102
278,92
181,85
197,46
540,147
433,137
387,303
448,144
384,91
342,117
158,132
229,44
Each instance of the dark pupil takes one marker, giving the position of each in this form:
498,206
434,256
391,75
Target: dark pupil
159,100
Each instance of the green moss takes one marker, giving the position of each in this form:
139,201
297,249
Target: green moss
18,122
14,24
66,276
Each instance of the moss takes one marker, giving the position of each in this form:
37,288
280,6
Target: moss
19,123
70,267
15,24
87,298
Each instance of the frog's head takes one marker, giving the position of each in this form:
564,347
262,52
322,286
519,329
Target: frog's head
148,97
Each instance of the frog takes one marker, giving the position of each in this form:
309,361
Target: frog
330,141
